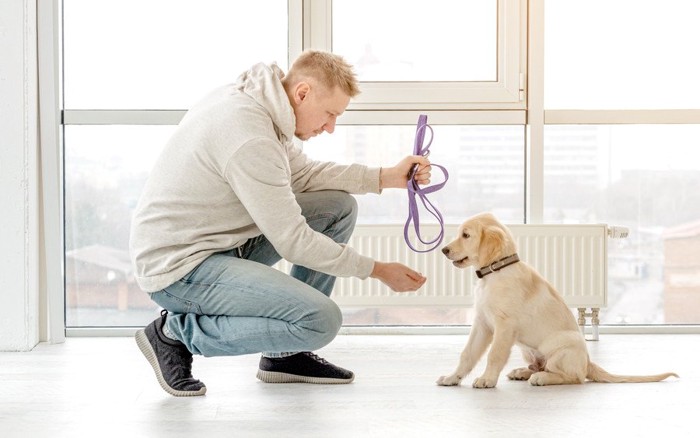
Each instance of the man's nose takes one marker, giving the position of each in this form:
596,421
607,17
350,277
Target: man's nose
329,127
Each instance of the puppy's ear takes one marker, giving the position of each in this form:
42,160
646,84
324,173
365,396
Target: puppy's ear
491,245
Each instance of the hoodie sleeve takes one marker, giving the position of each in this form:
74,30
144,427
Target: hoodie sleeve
309,175
260,176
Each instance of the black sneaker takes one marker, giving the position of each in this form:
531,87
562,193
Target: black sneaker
170,359
302,367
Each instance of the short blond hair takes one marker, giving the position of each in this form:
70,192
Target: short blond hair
329,69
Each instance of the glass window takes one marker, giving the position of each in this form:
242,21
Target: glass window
164,54
645,178
621,54
407,41
408,316
486,165
411,55
105,170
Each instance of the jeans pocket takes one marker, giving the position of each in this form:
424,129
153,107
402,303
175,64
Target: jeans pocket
175,304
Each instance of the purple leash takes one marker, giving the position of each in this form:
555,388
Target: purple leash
414,190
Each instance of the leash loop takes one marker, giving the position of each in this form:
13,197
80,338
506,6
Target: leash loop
414,190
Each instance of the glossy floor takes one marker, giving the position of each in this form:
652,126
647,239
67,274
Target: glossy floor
103,387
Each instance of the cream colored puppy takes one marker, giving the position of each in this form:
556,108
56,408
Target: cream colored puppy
516,306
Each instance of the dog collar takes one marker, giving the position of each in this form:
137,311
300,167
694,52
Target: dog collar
497,265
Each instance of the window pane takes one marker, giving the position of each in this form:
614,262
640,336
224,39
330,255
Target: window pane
621,54
486,166
408,316
165,54
105,170
407,41
644,178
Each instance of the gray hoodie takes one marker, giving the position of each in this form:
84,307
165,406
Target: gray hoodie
229,173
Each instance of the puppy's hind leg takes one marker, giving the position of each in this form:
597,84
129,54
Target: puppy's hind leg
479,340
545,378
565,365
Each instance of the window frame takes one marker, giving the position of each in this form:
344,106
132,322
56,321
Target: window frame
310,26
507,92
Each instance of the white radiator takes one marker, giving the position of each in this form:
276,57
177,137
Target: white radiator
571,257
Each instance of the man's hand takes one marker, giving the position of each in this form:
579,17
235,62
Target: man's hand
397,177
398,277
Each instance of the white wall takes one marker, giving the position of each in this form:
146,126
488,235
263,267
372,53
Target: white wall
19,177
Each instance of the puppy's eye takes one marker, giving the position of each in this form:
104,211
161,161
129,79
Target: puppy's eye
466,235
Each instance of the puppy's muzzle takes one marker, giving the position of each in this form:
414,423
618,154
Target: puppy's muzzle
451,256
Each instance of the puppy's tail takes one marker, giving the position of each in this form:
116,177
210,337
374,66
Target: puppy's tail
597,374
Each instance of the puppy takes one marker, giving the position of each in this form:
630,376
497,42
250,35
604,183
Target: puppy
516,306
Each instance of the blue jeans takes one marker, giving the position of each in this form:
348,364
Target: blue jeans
235,303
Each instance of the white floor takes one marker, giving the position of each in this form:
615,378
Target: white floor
103,387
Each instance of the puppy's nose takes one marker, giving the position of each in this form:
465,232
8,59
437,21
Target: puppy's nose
445,250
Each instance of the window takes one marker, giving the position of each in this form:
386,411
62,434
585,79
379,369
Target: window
615,174
621,145
124,64
163,54
428,36
449,55
486,165
106,168
606,103
132,68
621,54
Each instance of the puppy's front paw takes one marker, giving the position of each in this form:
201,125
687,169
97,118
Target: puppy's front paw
452,380
484,382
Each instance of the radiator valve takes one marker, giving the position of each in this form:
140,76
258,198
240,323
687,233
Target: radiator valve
618,232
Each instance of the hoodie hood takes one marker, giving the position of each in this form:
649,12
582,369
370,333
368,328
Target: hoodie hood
263,83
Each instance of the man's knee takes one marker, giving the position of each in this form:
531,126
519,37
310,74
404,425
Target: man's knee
326,324
346,205
347,214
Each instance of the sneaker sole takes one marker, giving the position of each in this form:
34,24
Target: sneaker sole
150,355
275,377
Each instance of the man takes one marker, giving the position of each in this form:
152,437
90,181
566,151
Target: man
229,196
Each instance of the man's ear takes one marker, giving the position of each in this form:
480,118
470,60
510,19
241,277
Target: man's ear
301,92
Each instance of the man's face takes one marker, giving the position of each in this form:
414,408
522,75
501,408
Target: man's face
317,109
